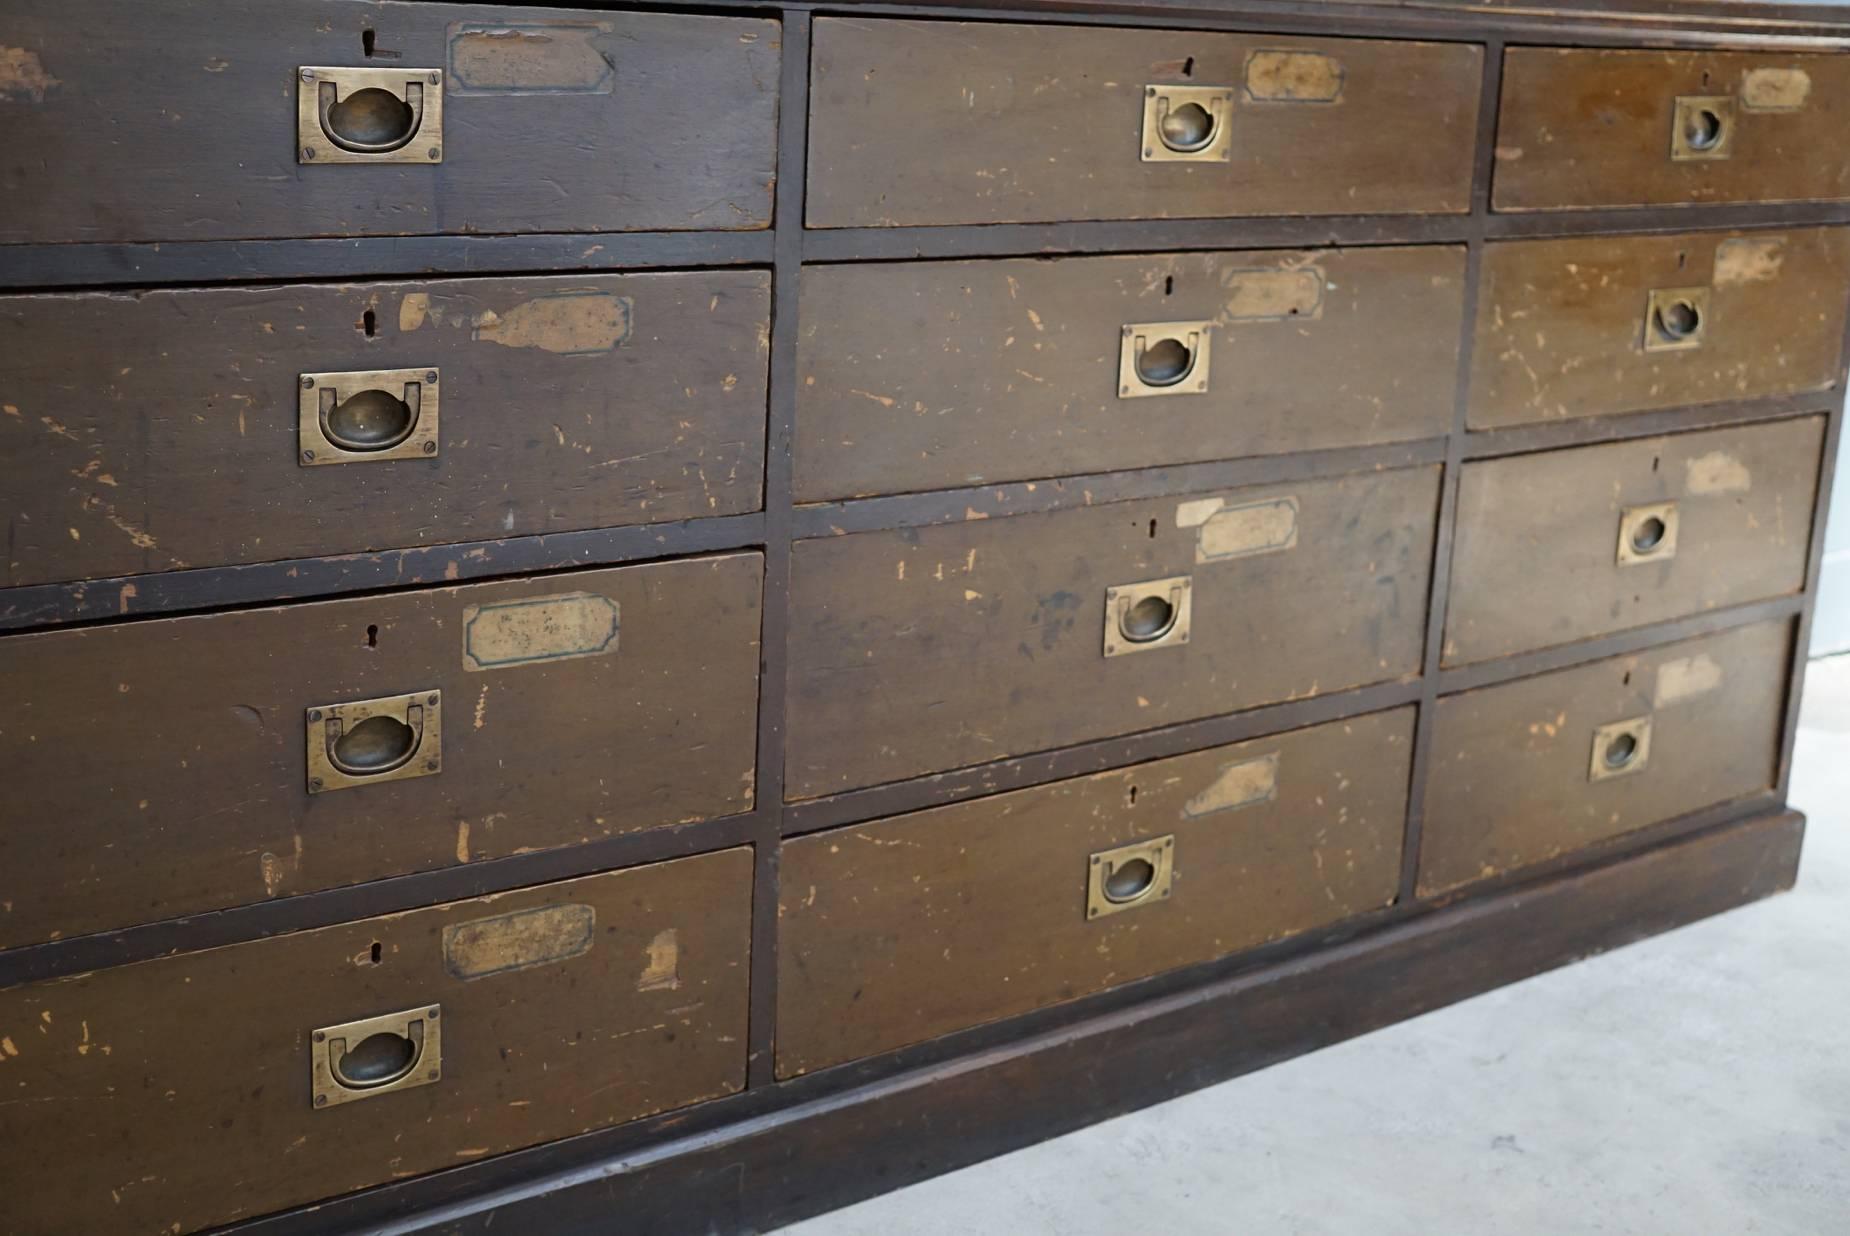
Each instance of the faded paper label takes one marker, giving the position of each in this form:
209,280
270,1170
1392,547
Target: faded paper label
518,941
508,633
1250,528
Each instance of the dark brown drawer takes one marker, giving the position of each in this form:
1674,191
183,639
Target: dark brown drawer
1568,545
1529,770
933,375
1586,128
1593,326
169,120
134,1095
174,429
904,929
927,122
168,767
923,650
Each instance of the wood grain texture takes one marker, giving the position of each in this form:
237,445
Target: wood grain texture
1560,323
963,644
157,431
174,1094
172,120
1024,124
158,768
904,929
1510,781
931,375
1592,127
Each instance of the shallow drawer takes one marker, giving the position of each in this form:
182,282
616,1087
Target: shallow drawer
1573,544
134,1095
904,929
179,429
1030,124
1585,128
173,120
922,650
167,767
1593,326
938,374
1529,770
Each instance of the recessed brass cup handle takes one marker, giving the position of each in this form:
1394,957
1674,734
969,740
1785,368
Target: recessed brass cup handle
375,1056
1153,614
365,742
378,1059
346,114
367,416
373,119
379,744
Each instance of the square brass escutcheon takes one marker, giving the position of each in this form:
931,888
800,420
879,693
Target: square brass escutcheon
366,742
1133,875
1164,358
1675,319
1620,749
1187,124
366,416
365,1059
352,115
1702,127
1647,533
1155,614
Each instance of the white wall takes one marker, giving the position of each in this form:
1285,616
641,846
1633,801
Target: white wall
1830,630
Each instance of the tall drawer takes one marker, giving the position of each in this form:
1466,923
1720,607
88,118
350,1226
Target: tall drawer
927,122
904,929
168,767
1573,544
138,1097
198,428
1595,128
938,374
1529,770
348,118
1594,326
923,650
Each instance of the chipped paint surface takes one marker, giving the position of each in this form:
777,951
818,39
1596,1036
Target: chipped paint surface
571,324
1775,90
1293,77
536,629
1250,528
1272,295
518,941
563,57
412,310
1749,259
23,76
1717,472
1686,679
1238,785
663,971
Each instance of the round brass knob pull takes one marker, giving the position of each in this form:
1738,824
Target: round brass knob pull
1703,129
1678,320
370,120
1165,362
378,744
1621,751
369,420
1149,619
1129,881
378,1060
1187,129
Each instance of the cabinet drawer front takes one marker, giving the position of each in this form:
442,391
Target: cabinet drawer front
904,929
1029,124
1525,771
136,1093
1569,545
933,375
923,650
148,440
168,767
1587,128
544,120
1576,327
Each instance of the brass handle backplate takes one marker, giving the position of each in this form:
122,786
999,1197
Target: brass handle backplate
1164,358
1648,533
348,115
1187,124
366,416
1620,749
365,1059
365,742
1155,614
1133,875
1676,319
1702,127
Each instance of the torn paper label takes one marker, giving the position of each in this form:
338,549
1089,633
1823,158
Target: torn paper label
518,941
1687,678
1239,785
1250,528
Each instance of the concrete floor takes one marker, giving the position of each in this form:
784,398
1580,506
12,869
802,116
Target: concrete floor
1696,1084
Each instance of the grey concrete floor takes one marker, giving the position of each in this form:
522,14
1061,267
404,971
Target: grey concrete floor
1697,1084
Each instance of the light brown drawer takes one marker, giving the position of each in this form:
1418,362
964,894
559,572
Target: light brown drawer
1569,545
929,122
168,767
922,650
933,375
1596,128
133,1096
1529,770
173,429
167,120
904,929
1595,326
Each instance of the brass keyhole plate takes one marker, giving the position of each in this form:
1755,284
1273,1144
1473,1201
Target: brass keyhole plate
1702,127
1173,120
421,1027
1647,533
321,395
421,711
1139,874
1154,614
313,146
1164,358
1620,749
1676,319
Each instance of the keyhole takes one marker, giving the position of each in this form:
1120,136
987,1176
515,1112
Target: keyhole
1188,67
1152,529
369,322
366,42
1169,286
1133,796
372,637
378,952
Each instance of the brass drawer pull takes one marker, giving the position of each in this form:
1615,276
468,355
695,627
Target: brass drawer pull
1675,319
1130,876
348,115
370,415
1620,749
1648,533
1156,614
365,742
1187,124
1702,127
363,1059
1164,358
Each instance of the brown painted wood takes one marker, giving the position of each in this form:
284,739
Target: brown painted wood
1561,323
158,431
176,120
908,928
932,375
967,643
945,122
158,768
1592,128
1535,560
1510,783
175,1094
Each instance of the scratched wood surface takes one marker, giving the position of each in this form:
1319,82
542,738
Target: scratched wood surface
158,431
1561,323
176,120
1535,559
182,1085
887,930
1026,124
927,375
972,642
159,768
1510,783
